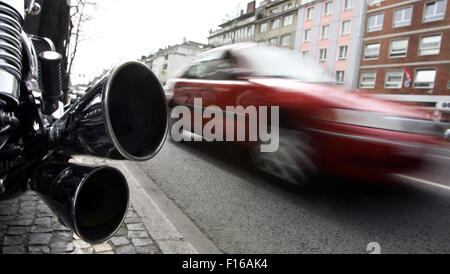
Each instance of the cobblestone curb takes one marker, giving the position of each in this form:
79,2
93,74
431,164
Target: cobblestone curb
28,226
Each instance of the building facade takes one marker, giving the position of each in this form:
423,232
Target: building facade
166,63
237,30
406,54
273,22
277,23
331,31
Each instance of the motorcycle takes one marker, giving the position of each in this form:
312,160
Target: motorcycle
122,117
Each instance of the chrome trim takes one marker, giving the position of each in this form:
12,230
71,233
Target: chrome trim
32,57
18,5
8,83
50,43
10,50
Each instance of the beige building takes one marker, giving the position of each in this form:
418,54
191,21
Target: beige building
277,23
273,22
168,62
237,30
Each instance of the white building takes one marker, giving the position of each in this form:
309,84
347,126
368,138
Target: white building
168,62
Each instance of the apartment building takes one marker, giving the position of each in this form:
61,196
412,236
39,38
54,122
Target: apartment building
273,22
406,52
277,23
166,63
237,30
331,32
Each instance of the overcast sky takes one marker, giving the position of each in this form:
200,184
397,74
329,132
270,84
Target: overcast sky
124,30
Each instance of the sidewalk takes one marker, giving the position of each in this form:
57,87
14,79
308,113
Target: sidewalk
153,225
27,226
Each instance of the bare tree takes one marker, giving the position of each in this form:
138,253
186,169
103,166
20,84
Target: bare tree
78,17
62,21
233,18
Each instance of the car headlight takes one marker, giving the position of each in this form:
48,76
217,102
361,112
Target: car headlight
378,120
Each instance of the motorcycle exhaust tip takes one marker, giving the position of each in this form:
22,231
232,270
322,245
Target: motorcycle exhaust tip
136,111
123,116
91,201
100,205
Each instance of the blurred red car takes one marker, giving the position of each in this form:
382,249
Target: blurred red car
323,127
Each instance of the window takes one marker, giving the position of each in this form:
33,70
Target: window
372,51
276,24
342,52
394,79
399,48
307,36
251,30
448,85
430,45
348,4
345,29
328,9
425,78
340,75
273,41
309,13
325,32
402,17
287,7
197,71
368,79
219,69
288,20
286,40
305,54
274,11
323,55
435,11
375,22
263,28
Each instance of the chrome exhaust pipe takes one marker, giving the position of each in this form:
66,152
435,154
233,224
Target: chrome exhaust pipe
123,116
91,201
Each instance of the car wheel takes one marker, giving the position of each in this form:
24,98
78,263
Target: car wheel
294,161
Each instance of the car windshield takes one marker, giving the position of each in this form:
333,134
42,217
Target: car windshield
265,61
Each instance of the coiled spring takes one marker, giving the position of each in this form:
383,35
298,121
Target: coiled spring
10,41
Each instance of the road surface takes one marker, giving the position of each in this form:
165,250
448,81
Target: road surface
244,211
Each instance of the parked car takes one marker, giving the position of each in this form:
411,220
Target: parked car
323,126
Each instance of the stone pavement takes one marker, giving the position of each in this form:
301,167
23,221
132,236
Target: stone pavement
28,226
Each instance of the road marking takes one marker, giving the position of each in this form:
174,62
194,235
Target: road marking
422,181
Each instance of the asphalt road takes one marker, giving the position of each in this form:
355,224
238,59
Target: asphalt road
244,211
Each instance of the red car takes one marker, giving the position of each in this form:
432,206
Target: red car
323,127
